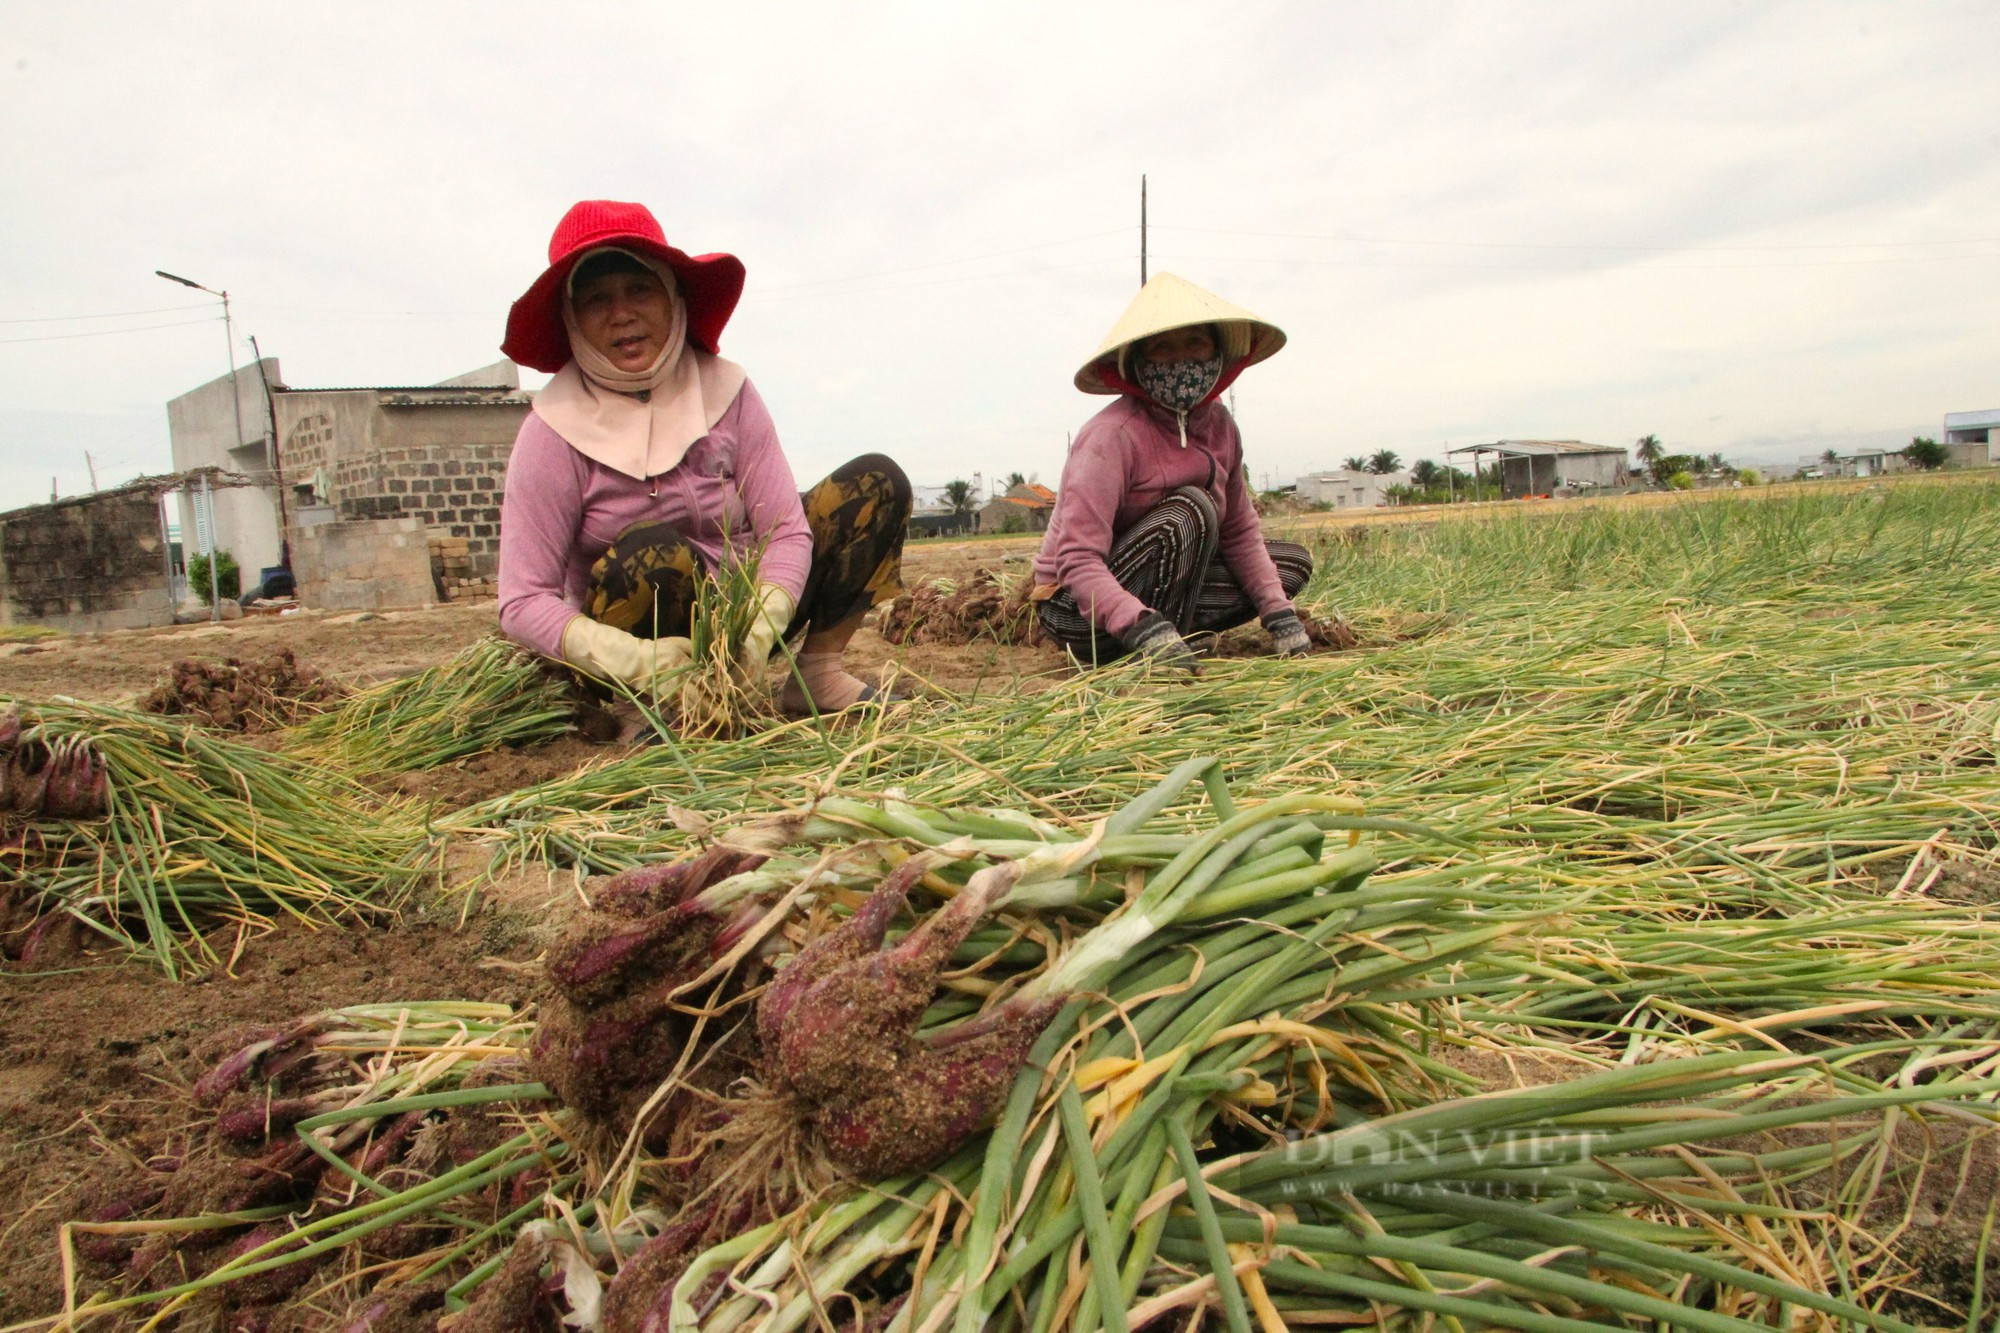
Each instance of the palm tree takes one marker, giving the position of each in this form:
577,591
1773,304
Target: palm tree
958,494
1650,450
1425,474
1015,479
1830,456
1717,463
1383,461
1356,463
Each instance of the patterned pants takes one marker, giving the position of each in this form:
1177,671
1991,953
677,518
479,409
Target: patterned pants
1167,560
645,581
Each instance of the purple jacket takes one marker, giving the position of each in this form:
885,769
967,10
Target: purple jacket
562,510
1126,460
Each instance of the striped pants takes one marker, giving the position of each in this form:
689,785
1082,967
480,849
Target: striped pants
1168,561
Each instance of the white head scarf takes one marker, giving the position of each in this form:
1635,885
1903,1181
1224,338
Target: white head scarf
642,422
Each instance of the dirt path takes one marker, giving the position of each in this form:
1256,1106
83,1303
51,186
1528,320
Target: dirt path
365,648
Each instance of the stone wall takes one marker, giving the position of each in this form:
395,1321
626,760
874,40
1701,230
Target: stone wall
364,565
93,563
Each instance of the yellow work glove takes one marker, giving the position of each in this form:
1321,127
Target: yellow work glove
612,654
774,613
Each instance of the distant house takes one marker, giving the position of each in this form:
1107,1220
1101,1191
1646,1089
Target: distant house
1874,462
1344,488
1969,437
1024,508
1544,467
1860,463
434,453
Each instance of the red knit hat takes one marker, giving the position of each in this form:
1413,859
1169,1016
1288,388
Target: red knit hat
710,283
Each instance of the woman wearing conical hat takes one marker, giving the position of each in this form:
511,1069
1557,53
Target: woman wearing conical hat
1154,536
649,462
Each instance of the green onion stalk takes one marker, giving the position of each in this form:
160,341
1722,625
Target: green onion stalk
489,696
200,834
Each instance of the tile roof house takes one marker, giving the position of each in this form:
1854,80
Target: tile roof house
1024,508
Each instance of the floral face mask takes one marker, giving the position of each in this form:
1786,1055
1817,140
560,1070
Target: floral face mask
1178,386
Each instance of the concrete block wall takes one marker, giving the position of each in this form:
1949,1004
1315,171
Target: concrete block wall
447,464
363,565
455,490
85,565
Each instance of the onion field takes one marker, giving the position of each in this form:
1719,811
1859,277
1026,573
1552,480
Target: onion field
1608,943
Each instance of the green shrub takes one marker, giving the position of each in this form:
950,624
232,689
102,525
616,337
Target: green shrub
1682,480
1926,454
228,578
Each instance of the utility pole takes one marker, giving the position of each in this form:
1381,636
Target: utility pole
275,459
93,471
228,337
1142,230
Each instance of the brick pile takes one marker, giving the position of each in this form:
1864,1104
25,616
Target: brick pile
456,571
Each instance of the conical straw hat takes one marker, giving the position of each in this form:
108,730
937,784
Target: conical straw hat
1169,302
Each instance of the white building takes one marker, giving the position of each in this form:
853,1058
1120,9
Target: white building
1969,436
1344,488
1543,467
226,423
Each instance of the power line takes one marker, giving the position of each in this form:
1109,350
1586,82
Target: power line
1580,267
106,333
945,263
977,277
115,314
756,290
1558,245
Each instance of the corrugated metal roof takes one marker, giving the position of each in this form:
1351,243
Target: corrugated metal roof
1537,448
405,400
461,390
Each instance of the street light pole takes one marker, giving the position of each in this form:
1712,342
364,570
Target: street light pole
229,337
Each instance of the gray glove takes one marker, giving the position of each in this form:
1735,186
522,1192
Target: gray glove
1288,633
1154,638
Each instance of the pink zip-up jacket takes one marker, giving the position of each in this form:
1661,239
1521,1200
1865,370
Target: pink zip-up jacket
1127,459
561,511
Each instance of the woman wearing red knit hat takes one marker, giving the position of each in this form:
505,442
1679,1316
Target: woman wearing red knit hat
649,461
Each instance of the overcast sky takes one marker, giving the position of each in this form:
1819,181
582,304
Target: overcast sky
1759,229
